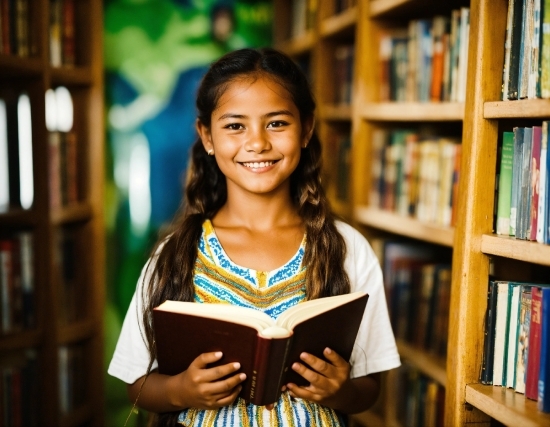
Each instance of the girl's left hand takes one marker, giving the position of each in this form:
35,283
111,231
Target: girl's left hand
326,379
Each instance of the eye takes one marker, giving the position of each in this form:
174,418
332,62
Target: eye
234,126
277,124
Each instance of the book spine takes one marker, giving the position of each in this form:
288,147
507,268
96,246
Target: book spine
515,49
507,50
511,350
545,50
543,403
524,323
525,49
253,389
535,183
499,359
505,184
543,188
534,345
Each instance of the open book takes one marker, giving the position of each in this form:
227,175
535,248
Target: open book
265,348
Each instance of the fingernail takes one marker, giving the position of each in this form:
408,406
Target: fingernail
218,354
236,365
328,350
242,376
295,366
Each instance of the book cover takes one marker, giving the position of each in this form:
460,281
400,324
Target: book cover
525,49
543,403
440,24
505,184
545,50
516,178
524,189
489,334
265,358
463,59
512,343
524,324
534,76
533,361
543,187
379,140
515,49
507,50
501,334
534,183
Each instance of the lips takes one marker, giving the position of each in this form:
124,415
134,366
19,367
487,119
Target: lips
257,165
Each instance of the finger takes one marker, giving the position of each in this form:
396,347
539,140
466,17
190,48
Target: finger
306,393
308,374
318,365
205,359
334,358
228,399
222,371
227,385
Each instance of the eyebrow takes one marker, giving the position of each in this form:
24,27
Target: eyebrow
268,115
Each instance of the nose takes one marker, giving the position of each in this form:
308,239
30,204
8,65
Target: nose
257,141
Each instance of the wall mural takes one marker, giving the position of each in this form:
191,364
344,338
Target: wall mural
156,52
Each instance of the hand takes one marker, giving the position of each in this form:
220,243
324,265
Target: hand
326,379
203,388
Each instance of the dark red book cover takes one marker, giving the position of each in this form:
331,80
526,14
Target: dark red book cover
532,377
267,362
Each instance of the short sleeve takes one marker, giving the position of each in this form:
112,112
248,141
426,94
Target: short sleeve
375,349
131,357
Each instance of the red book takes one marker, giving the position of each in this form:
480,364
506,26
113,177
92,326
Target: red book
533,364
265,348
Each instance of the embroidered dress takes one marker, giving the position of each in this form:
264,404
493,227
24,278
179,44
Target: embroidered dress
219,280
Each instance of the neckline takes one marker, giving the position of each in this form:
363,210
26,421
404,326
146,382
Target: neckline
298,256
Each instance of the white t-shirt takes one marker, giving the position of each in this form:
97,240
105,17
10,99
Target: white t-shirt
374,351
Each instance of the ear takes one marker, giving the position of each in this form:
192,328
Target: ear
205,136
307,131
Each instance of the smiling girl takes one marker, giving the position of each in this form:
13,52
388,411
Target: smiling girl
256,230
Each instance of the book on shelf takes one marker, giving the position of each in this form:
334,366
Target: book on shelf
526,42
4,159
543,396
543,185
265,348
501,309
507,50
513,326
505,184
515,48
524,188
544,69
524,323
533,358
532,217
487,364
343,76
15,36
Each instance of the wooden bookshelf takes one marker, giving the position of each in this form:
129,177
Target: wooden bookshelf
413,111
521,250
34,75
526,108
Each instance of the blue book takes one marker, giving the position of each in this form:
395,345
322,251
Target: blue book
543,402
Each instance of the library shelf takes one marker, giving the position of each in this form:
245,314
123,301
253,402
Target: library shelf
72,213
18,218
16,66
413,111
404,226
77,416
430,365
521,250
298,45
77,331
525,108
506,406
332,112
379,8
368,418
340,24
71,76
20,340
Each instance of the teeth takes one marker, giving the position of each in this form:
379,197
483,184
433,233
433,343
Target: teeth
256,165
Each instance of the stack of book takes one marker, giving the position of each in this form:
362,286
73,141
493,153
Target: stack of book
517,339
428,61
523,184
14,28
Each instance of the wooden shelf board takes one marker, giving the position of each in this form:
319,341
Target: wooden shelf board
413,111
18,218
20,340
77,331
298,45
506,406
71,76
527,108
509,247
72,213
343,23
381,7
429,365
405,226
369,419
335,112
77,417
12,66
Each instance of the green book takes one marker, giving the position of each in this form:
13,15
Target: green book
505,184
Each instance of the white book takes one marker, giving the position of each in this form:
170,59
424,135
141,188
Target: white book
512,350
501,322
463,61
4,163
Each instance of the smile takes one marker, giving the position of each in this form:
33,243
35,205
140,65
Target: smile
257,165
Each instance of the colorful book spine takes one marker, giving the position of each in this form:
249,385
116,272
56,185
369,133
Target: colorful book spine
534,183
524,324
543,403
516,175
505,184
533,364
545,50
543,187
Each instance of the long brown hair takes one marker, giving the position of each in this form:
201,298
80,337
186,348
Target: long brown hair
171,272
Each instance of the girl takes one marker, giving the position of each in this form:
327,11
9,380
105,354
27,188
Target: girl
256,230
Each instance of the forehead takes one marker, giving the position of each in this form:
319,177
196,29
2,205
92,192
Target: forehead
254,93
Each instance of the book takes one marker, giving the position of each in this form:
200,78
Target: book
543,187
524,188
533,367
543,403
513,326
525,49
545,50
489,334
534,183
505,184
524,324
265,348
507,50
515,49
516,178
501,334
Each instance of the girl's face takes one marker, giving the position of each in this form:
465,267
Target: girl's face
256,135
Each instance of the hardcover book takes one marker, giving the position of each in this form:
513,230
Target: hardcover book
265,348
533,367
501,334
543,403
505,184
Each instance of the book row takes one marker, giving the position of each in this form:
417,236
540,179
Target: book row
17,283
415,175
422,400
19,390
426,62
417,280
62,32
72,376
517,339
523,184
14,28
344,58
526,71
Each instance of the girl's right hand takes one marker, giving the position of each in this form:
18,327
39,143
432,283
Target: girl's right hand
208,388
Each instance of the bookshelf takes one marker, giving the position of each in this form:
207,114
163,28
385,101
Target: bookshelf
66,239
477,120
